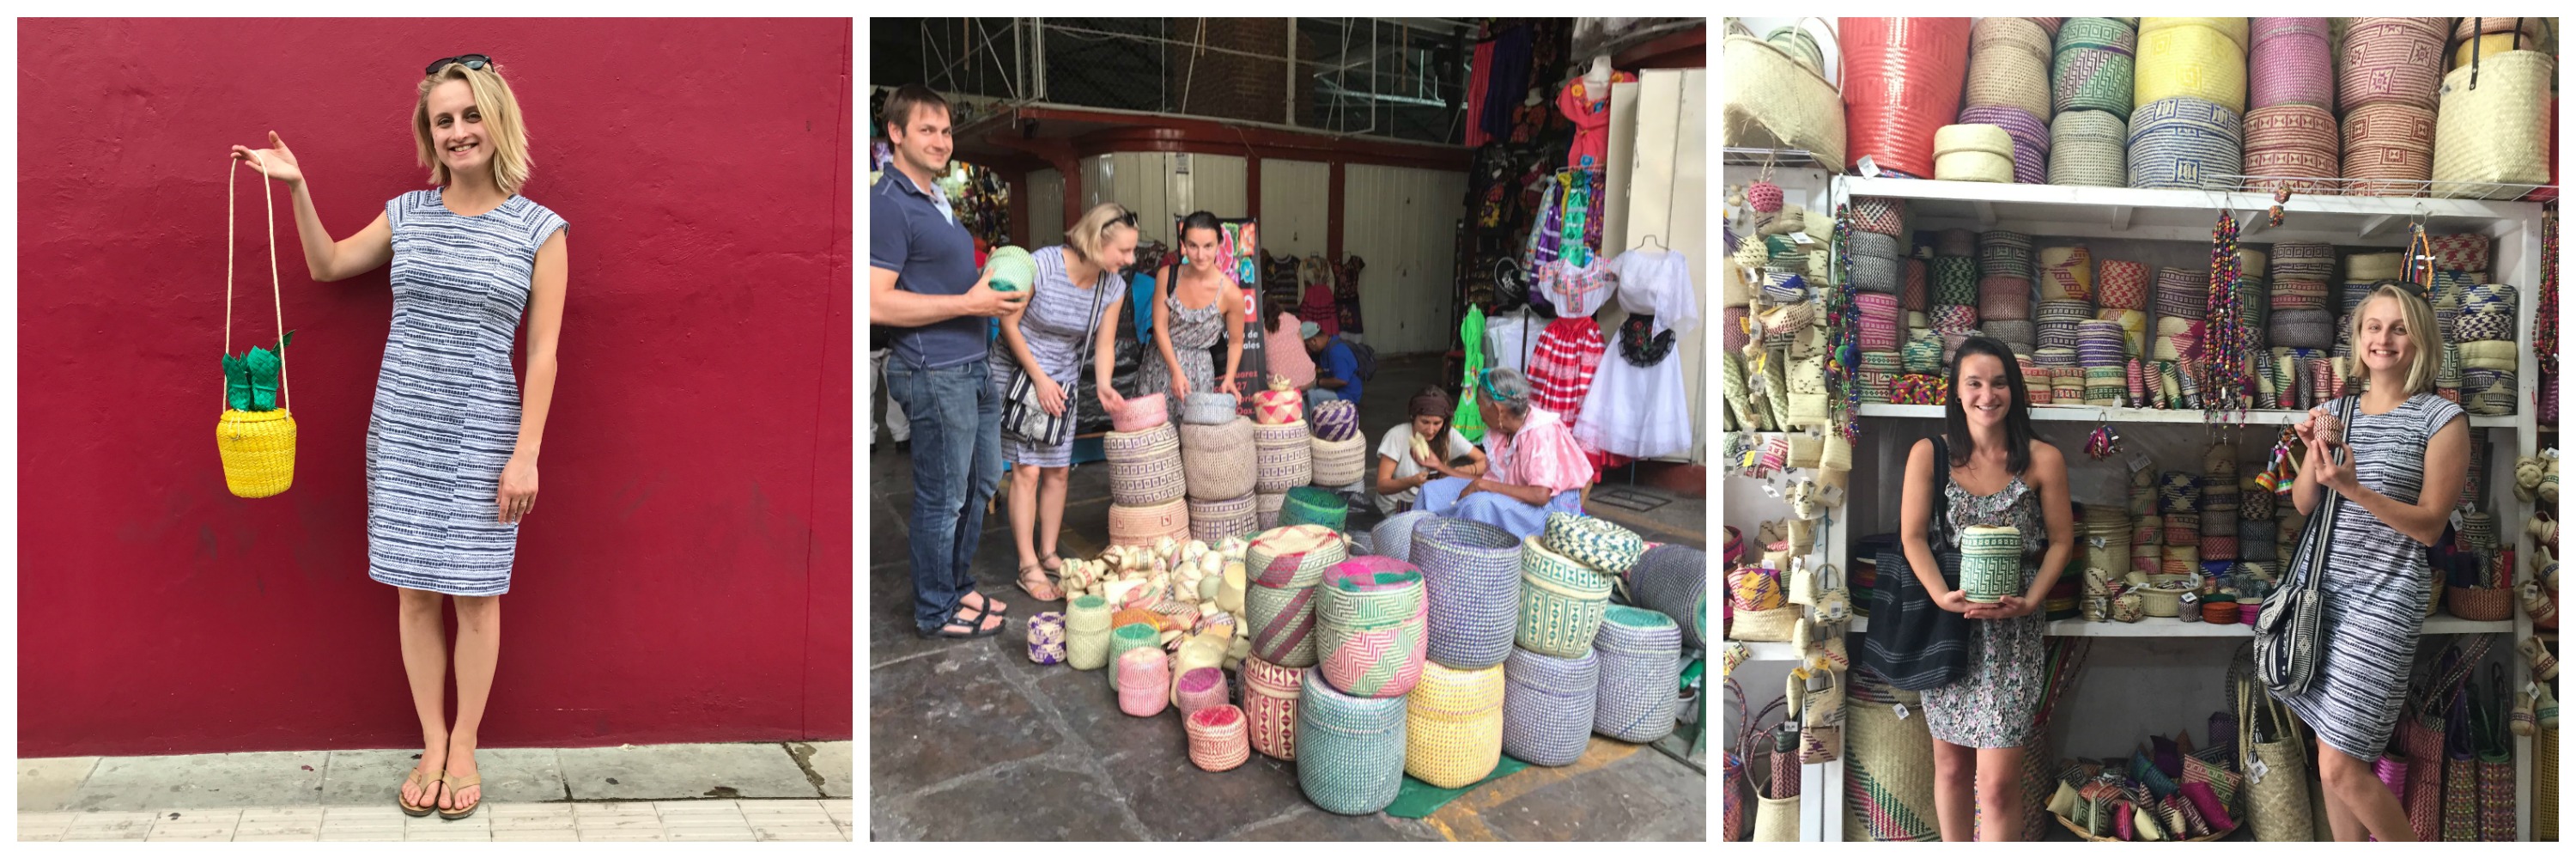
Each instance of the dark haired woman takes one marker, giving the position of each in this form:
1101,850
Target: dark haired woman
1194,305
1999,476
1422,450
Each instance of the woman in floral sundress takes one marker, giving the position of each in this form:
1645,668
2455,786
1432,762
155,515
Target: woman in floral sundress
1999,475
1194,305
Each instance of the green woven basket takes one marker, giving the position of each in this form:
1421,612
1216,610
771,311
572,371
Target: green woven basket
1311,505
1562,602
1595,543
1350,751
1128,638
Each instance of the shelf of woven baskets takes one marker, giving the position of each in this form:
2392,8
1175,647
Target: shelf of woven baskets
2165,627
2101,414
2185,215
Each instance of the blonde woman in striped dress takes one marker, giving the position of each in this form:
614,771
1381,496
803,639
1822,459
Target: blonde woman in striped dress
1077,288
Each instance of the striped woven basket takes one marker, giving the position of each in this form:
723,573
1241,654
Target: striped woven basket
1219,739
2066,274
1218,459
2290,63
1141,526
1294,556
2122,284
1142,412
1471,574
1265,508
1308,505
1369,627
2303,261
1209,408
2094,63
1086,631
2388,140
1350,751
2292,140
2185,143
1561,602
2007,65
1865,243
2390,61
1874,274
1393,536
1640,659
1285,456
1453,725
1145,467
2195,58
1283,624
1339,463
1882,215
1916,295
1972,152
1336,420
1596,543
1902,82
1270,695
1954,280
1213,521
1547,706
2029,136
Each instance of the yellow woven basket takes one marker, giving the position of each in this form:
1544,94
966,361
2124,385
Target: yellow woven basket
2202,58
1453,725
257,448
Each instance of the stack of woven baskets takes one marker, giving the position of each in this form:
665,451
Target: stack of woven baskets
1341,450
1219,462
2290,132
1146,477
1370,621
2004,289
1639,654
2489,351
2008,87
2389,80
1566,581
1283,449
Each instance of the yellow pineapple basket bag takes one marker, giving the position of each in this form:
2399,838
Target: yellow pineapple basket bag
258,447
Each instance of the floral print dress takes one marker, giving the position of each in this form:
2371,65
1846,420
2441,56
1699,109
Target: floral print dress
1993,705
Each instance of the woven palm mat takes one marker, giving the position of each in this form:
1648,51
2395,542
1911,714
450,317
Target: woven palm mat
1418,799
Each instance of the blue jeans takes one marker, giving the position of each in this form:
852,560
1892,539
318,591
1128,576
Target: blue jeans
956,463
1319,395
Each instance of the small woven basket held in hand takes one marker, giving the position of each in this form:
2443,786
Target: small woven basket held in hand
258,448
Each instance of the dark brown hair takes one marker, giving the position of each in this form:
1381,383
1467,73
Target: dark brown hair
899,105
2017,431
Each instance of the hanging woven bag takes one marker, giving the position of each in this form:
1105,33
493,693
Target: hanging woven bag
1453,725
1471,578
1350,751
257,445
1547,706
2492,136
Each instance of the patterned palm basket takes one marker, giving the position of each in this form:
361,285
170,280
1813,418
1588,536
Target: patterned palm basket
2197,58
2391,61
1265,508
1472,578
1369,627
2303,261
1142,525
1597,543
1453,725
1340,463
2389,141
2008,65
1640,661
2185,142
1209,408
1284,456
1561,602
2029,135
1145,466
1547,706
1086,631
1046,638
1308,505
1270,694
1142,412
1350,751
2292,140
2290,63
1277,406
1884,215
1218,459
2121,284
1283,624
1198,689
1292,556
1954,281
1213,521
1143,675
1393,536
1219,740
1990,562
2094,63
1336,420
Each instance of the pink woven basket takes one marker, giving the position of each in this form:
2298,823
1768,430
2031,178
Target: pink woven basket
1201,688
1141,526
2292,140
2391,61
2291,65
1144,677
1278,407
2121,284
1270,706
2388,140
1140,413
1218,739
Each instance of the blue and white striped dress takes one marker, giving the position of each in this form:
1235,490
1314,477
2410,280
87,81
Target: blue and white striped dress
1059,317
2375,585
446,416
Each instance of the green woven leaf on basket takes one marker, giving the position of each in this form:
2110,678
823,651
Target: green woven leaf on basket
236,385
242,378
262,367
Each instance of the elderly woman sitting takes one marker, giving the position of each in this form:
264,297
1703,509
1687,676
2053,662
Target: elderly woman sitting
1535,467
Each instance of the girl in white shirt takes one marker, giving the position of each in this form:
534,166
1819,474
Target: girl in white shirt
1401,469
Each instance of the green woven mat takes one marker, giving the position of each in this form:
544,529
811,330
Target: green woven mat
1418,799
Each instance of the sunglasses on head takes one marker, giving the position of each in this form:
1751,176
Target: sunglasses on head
477,62
1129,218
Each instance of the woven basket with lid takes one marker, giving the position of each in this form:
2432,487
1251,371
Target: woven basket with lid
2094,65
1145,466
1972,153
1453,725
1561,602
1640,674
1547,706
1471,573
1270,695
2008,65
2196,58
2185,142
1369,627
2292,140
2390,61
2291,64
2389,140
1218,459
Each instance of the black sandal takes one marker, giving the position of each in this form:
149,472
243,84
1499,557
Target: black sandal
976,627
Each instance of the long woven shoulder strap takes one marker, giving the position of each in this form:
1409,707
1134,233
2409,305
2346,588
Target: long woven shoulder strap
276,293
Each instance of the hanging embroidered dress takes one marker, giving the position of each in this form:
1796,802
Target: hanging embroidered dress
1637,406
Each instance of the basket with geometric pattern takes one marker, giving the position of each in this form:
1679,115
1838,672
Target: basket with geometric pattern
1285,457
1369,619
1595,543
1561,602
1270,695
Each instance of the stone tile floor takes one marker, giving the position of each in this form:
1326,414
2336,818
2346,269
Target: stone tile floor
682,820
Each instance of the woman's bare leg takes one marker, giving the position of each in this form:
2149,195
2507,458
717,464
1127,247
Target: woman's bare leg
478,654
1999,794
1024,512
1954,781
424,653
2368,800
1051,488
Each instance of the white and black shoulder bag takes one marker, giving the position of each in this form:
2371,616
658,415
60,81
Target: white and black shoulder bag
2289,633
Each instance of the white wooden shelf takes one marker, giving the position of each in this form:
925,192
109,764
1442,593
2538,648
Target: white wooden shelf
1770,651
2188,215
2102,414
2441,623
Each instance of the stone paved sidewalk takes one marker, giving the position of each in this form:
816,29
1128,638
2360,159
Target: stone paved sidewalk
680,820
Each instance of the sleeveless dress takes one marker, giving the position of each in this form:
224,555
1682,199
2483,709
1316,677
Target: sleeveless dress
2375,585
1193,333
1060,316
446,415
1993,705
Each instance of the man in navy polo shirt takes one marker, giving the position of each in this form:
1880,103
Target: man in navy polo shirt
923,285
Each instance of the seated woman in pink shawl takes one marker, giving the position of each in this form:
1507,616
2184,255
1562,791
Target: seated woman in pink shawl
1535,467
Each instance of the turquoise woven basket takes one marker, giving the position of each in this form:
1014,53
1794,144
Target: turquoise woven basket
1311,505
1350,751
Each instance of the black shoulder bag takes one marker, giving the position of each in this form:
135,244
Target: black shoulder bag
1026,419
2290,633
1912,641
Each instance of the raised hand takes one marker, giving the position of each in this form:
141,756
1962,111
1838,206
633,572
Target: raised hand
277,161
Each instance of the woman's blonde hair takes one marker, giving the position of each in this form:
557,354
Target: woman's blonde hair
502,126
2420,329
1087,236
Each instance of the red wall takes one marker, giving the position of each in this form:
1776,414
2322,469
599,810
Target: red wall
687,577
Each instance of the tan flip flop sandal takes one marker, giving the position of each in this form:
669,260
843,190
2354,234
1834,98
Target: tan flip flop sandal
453,786
419,778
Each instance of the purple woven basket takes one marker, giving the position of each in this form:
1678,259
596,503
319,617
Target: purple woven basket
1393,536
1335,420
1547,706
1472,577
2291,64
2029,136
1200,688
